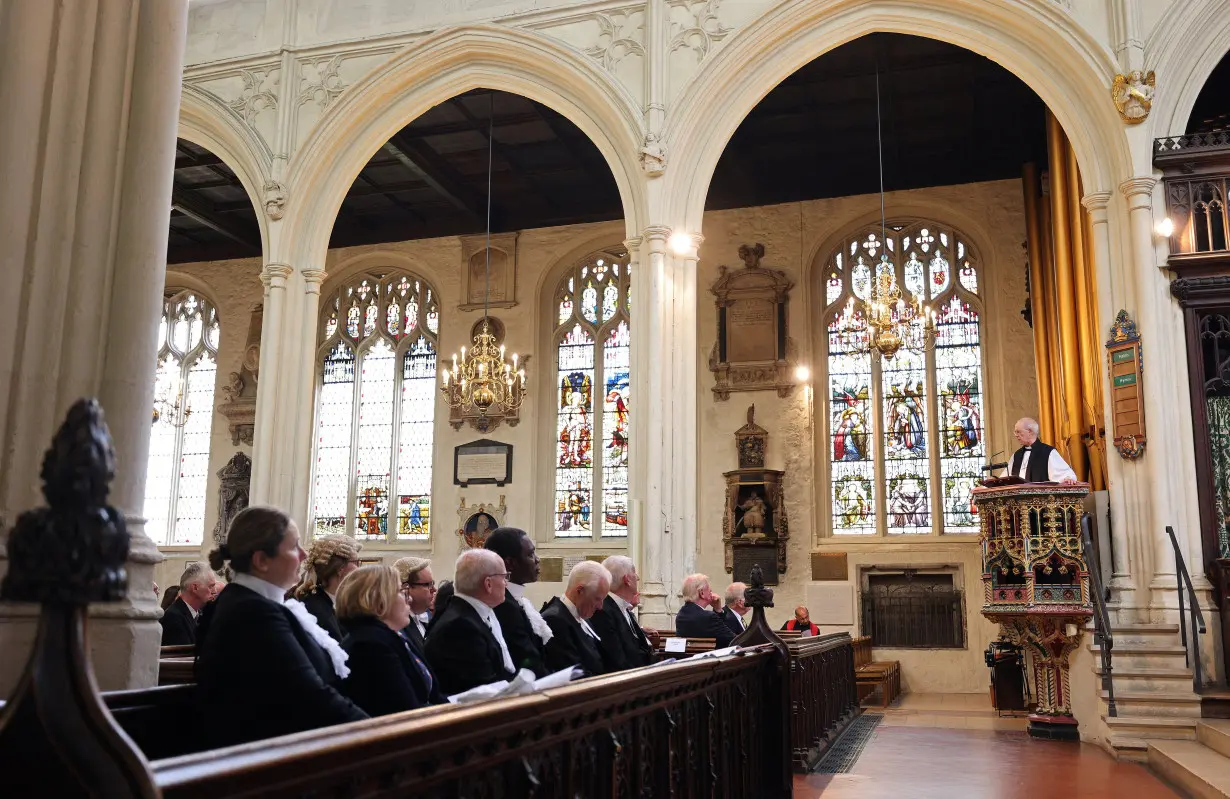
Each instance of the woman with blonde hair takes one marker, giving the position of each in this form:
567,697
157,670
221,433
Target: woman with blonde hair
387,675
329,560
264,666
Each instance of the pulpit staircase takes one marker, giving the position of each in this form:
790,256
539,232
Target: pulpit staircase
1151,709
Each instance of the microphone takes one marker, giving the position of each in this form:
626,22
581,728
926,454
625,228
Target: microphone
990,467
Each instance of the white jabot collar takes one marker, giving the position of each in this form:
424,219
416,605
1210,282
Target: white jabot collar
517,590
263,587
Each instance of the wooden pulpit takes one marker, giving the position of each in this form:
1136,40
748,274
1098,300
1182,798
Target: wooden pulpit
1036,586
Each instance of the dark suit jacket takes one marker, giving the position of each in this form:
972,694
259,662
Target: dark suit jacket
524,645
693,621
321,606
571,645
385,674
732,621
622,647
260,674
462,650
178,626
411,631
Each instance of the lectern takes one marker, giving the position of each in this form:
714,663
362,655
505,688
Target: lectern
1036,586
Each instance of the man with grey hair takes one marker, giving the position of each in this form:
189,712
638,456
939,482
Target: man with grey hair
465,645
574,642
624,644
179,620
700,615
736,608
1035,461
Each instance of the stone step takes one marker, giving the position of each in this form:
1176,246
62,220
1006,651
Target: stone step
1160,703
1146,680
1129,634
1215,734
1193,767
1136,656
1168,727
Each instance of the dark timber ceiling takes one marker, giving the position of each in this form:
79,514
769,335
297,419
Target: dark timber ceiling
949,117
1212,109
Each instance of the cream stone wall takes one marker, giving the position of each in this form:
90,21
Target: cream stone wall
798,239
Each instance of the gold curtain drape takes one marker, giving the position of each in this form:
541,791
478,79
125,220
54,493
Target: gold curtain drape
1063,291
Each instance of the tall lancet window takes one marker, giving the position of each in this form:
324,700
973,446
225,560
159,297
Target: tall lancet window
905,434
178,468
592,347
375,408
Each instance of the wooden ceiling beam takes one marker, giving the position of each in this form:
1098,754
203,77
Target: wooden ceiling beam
202,210
506,153
433,170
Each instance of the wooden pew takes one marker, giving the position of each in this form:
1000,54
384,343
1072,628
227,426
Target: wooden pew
823,695
694,646
883,676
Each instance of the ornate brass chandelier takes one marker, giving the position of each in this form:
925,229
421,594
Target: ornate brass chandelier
886,321
481,384
168,411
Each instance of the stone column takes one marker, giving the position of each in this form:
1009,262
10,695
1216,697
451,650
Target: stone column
90,92
664,465
305,406
1169,476
265,436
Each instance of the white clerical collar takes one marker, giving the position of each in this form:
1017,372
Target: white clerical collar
482,608
263,587
517,590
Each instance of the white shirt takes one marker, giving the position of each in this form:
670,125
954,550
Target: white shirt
420,621
573,610
537,622
1057,468
263,587
488,616
739,616
626,607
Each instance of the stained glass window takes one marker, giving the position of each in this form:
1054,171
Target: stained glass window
375,411
178,468
592,380
905,434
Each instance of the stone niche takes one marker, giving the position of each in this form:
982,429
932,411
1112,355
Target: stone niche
752,352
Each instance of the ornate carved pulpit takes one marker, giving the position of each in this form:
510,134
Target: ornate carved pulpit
1036,586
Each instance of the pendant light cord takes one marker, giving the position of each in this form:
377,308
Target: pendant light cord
490,168
880,149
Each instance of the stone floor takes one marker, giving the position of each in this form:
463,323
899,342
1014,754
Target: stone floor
936,763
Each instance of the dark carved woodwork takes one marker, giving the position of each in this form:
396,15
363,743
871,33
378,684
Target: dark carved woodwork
823,694
65,556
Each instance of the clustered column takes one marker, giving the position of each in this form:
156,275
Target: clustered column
90,92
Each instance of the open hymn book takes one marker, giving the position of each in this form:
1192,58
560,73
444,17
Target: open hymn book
523,683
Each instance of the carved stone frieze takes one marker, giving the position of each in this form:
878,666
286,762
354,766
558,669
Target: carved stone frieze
695,26
260,87
620,34
320,81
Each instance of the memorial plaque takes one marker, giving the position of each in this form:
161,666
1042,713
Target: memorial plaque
489,274
829,566
748,556
1126,387
482,462
752,352
551,570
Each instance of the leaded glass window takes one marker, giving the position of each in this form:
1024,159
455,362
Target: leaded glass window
905,434
375,409
592,358
178,467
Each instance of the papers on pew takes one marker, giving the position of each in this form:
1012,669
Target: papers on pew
523,683
713,653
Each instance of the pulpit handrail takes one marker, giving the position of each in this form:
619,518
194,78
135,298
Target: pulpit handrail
1102,634
1191,654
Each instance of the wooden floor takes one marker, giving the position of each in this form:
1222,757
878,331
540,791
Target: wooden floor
921,763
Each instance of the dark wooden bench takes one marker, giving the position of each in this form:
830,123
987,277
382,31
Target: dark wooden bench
875,676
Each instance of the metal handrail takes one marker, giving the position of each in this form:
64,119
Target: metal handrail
1198,628
1101,618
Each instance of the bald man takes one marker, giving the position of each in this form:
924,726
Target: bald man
1037,462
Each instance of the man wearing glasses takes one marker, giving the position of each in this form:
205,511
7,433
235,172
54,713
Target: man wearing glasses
466,647
418,586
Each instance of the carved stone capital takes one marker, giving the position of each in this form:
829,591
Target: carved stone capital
1096,204
656,235
274,275
1137,187
312,279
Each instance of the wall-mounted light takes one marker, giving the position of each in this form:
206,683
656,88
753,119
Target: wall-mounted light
1164,227
680,243
802,374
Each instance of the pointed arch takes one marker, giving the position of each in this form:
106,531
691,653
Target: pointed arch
1186,44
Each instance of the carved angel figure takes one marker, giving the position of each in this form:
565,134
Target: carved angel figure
653,155
1133,95
275,199
234,387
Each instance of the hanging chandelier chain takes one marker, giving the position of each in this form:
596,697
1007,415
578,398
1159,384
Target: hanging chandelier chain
490,171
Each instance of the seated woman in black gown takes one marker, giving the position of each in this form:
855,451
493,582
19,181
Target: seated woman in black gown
329,560
264,666
387,675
